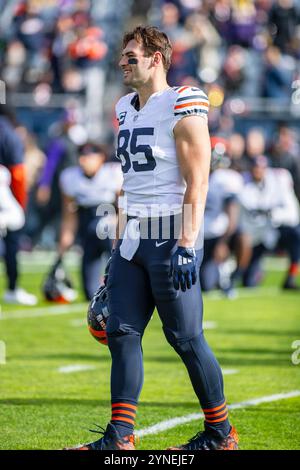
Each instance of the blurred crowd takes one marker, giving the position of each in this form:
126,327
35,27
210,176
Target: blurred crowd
245,54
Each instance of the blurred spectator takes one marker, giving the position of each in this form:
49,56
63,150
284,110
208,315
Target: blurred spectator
284,21
208,43
34,158
255,146
233,71
278,75
242,24
60,154
236,150
286,154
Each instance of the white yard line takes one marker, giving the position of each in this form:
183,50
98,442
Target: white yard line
75,368
172,423
78,323
43,311
209,325
230,371
244,293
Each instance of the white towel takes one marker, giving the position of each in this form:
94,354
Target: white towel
131,239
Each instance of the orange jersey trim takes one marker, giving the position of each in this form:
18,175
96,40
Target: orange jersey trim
192,103
182,89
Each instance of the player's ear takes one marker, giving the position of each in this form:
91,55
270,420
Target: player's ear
157,58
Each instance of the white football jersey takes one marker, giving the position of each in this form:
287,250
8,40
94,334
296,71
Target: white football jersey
90,192
153,184
223,184
267,205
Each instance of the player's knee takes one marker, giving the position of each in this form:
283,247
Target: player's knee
183,343
122,340
115,327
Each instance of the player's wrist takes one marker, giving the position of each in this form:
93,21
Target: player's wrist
186,244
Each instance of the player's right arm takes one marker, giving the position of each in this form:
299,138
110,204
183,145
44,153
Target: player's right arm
69,224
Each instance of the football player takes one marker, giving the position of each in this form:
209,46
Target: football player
164,147
12,158
84,187
269,219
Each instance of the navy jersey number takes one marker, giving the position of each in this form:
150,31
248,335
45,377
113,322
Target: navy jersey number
123,142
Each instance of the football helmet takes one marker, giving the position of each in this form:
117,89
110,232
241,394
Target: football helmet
98,314
57,286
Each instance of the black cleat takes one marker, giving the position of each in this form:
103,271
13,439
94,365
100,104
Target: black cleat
111,440
210,440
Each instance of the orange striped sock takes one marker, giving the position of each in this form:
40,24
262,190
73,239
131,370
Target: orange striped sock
123,416
217,417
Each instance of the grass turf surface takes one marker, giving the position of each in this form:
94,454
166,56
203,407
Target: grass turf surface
41,408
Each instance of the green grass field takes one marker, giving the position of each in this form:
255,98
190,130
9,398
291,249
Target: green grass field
42,408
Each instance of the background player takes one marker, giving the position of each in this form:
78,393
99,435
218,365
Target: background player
165,161
12,158
84,188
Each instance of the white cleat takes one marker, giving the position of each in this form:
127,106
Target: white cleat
20,297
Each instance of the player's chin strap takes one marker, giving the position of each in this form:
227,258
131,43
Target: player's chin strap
183,268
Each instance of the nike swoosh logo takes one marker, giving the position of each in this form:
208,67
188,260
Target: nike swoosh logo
159,244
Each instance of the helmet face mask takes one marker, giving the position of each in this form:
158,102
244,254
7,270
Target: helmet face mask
98,314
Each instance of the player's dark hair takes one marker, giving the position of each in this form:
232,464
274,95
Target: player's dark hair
152,40
92,147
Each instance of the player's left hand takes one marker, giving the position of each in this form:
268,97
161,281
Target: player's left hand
183,268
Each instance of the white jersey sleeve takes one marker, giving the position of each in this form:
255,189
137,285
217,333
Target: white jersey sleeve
68,180
190,101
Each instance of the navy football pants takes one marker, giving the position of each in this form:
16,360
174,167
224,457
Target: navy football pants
11,244
135,287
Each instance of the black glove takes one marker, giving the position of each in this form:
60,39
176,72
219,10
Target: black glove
183,268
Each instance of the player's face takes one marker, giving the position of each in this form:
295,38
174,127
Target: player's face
91,163
258,173
138,73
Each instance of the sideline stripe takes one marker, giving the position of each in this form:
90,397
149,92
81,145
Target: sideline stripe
75,368
43,311
172,423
